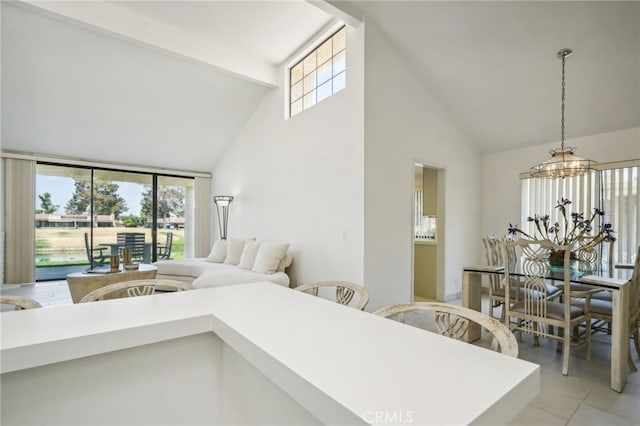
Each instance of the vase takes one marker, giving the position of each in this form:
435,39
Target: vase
556,259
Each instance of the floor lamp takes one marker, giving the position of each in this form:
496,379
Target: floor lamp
222,203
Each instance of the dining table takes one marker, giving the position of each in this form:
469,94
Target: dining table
615,280
115,250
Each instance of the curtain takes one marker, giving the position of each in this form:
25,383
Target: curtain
19,203
203,222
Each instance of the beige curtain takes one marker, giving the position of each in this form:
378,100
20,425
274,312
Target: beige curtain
202,226
19,203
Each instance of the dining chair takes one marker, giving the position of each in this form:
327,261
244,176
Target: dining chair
535,313
494,255
601,310
344,292
135,288
19,302
95,256
453,321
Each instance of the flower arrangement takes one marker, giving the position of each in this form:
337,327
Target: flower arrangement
571,232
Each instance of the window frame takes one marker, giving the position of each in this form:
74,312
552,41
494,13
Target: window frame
326,36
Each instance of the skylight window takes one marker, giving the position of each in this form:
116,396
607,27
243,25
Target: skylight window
318,75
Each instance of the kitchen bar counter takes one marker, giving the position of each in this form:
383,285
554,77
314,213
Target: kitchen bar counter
257,353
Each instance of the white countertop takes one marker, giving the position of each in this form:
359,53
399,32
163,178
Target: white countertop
339,363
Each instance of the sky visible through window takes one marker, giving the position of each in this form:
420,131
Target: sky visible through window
61,190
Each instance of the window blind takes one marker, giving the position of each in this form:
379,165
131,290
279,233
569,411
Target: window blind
615,190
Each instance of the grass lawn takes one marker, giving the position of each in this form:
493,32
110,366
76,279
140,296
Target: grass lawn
62,246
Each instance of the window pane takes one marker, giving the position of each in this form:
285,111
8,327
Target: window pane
62,216
339,82
339,40
310,99
324,72
175,213
296,92
339,63
309,63
324,91
309,82
324,52
296,107
296,73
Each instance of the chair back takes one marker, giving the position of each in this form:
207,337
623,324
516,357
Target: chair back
493,253
634,310
133,241
590,256
87,247
165,251
134,289
534,264
453,321
344,292
20,302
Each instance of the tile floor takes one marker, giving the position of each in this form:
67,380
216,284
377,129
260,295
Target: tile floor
582,398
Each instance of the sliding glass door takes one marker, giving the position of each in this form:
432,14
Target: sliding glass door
81,213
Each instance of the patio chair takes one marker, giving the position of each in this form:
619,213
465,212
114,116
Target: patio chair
164,251
95,256
133,241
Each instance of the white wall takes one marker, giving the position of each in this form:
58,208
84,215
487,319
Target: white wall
405,124
71,90
172,382
501,170
301,180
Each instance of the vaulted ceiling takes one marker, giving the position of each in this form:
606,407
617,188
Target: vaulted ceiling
492,65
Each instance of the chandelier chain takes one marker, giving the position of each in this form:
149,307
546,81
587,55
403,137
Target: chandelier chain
562,105
563,161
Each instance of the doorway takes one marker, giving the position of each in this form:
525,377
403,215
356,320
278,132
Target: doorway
428,235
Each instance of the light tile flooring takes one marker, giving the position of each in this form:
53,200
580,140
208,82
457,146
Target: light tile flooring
48,293
582,398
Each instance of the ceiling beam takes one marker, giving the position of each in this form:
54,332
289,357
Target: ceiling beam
339,11
120,22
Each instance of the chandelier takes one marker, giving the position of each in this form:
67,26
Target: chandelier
563,162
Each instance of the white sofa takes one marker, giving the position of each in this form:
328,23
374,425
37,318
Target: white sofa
230,262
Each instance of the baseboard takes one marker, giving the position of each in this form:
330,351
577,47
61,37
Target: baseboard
453,297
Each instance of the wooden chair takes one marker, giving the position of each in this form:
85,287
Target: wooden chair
493,251
134,289
535,313
96,256
164,251
453,321
493,255
133,241
19,302
601,311
344,291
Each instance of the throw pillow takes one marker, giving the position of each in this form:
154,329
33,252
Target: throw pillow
234,251
249,253
269,256
218,252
